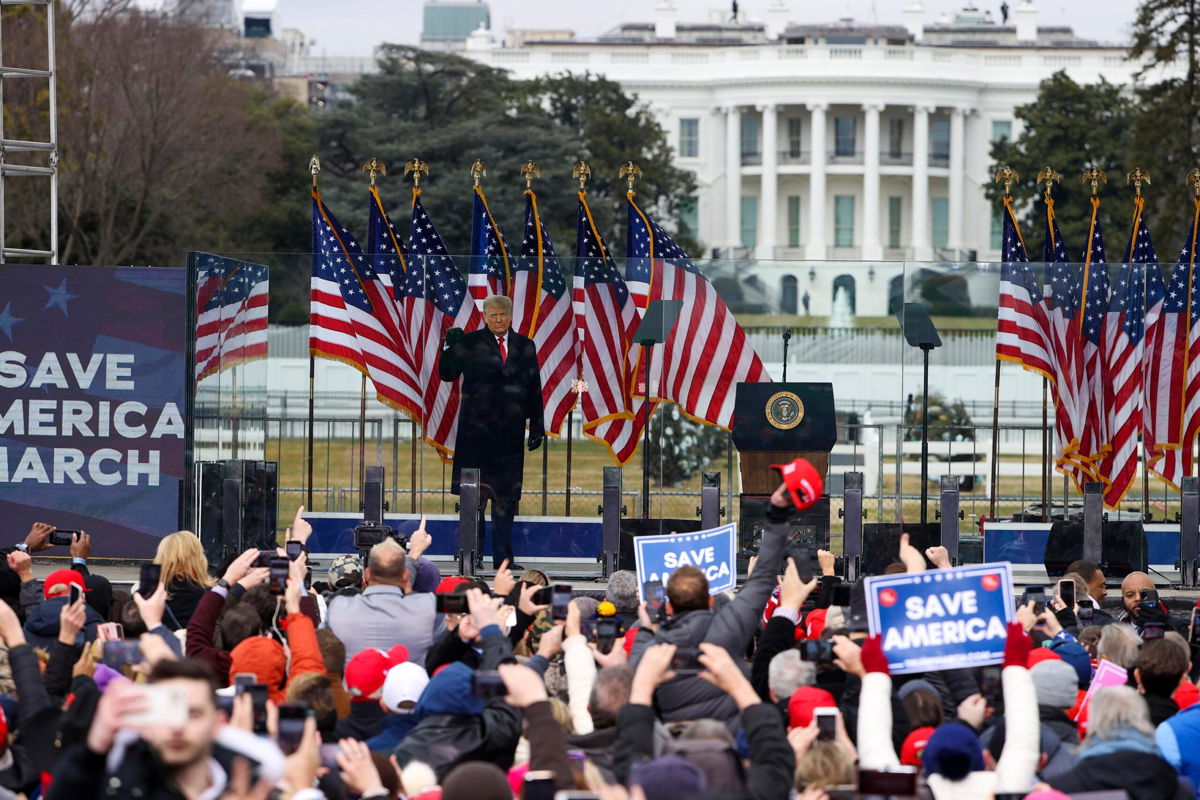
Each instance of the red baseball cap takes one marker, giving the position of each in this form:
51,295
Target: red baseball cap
803,481
57,582
366,672
804,701
914,745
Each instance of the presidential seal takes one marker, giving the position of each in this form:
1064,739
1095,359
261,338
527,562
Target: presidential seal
784,410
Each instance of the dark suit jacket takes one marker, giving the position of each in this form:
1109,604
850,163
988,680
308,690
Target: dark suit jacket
498,399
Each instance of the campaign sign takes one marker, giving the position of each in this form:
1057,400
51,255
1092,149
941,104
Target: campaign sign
93,367
713,551
942,619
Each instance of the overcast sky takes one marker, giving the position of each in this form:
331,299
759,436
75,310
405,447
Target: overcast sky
354,27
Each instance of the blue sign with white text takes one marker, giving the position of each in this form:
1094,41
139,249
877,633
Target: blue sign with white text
942,619
713,552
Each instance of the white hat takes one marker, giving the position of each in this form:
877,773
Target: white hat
403,686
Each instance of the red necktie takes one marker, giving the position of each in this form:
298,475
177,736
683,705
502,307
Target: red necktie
503,350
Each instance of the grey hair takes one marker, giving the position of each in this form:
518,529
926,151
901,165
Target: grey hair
497,301
1115,707
788,672
623,591
1119,643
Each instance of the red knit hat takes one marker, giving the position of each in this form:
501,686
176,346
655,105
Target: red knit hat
802,703
57,582
914,745
1039,654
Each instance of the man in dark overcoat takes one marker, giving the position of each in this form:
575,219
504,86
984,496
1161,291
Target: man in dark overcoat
501,394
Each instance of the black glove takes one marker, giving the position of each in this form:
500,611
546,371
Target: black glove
1066,618
535,441
453,337
1144,612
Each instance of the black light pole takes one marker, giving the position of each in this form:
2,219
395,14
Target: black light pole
787,335
919,332
654,329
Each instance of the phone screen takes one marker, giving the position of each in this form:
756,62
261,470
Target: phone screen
259,692
686,662
989,684
899,783
826,723
487,684
76,593
1066,592
656,600
452,603
560,598
148,578
1153,630
291,726
62,538
1038,595
539,786
279,575
294,549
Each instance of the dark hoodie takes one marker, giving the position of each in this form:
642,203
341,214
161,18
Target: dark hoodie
41,626
453,726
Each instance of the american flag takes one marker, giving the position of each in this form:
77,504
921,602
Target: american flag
346,321
434,299
1062,303
389,251
610,317
231,313
706,354
542,311
1173,364
1022,329
1124,365
1094,436
488,271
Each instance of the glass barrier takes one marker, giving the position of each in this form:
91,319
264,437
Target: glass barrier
838,322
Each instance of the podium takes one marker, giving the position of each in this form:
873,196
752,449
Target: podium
774,423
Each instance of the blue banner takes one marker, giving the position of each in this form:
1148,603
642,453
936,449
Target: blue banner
92,428
713,551
942,619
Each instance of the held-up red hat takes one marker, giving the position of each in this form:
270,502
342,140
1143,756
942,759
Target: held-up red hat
803,481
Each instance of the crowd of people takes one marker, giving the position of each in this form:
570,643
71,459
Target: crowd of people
385,679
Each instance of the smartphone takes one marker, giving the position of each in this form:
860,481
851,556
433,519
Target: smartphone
329,754
453,603
1149,597
76,593
1086,612
539,785
1153,630
841,595
148,579
606,634
560,598
1194,628
803,561
166,706
656,601
225,704
62,538
826,723
1038,595
259,694
487,684
1066,593
277,583
817,650
291,726
686,662
990,686
294,548
243,679
264,559
122,653
114,630
896,781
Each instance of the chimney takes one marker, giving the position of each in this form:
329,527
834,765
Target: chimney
1026,18
777,19
914,20
665,15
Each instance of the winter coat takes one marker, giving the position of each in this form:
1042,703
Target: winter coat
731,626
1178,740
395,727
41,626
1143,774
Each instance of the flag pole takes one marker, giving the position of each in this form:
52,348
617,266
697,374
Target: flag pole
1005,175
314,166
1137,176
581,172
372,167
1047,176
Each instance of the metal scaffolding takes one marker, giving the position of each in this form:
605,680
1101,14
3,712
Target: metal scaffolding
49,148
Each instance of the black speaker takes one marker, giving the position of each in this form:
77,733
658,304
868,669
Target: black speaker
211,494
1123,542
632,528
231,519
372,495
809,528
881,543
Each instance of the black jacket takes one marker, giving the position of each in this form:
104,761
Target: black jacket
1143,776
366,721
1161,708
182,598
41,626
779,635
80,774
499,397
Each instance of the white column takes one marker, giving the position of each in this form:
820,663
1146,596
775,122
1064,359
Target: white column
733,178
922,250
872,245
815,246
954,236
768,203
